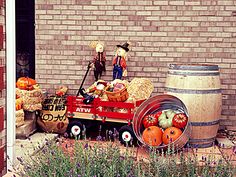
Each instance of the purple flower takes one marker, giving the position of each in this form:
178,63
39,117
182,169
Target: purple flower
110,132
52,152
86,146
78,165
234,149
66,135
44,151
99,138
114,135
71,172
122,157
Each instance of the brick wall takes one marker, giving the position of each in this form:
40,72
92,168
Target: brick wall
161,32
2,91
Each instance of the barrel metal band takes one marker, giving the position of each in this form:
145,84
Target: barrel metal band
205,123
205,145
194,73
189,91
194,67
202,140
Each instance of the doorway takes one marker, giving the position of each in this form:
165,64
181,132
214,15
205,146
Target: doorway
25,38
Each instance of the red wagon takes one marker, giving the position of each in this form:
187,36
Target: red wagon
103,111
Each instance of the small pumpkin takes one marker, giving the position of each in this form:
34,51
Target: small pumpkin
19,103
171,134
152,136
164,121
180,120
150,120
170,113
25,83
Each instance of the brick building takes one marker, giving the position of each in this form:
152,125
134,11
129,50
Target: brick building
161,32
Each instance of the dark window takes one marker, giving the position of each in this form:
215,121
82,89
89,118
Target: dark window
25,38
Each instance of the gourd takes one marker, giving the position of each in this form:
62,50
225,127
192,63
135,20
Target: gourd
19,102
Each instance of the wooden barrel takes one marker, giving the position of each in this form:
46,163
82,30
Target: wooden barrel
198,86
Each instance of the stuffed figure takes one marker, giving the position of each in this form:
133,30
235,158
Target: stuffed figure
99,59
119,61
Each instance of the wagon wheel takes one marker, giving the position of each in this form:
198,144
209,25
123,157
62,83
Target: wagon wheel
75,129
126,136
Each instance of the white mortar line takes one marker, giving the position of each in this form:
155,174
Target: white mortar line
11,81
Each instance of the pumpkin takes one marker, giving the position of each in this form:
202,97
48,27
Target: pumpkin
19,103
151,120
152,136
164,121
170,113
180,120
171,134
25,83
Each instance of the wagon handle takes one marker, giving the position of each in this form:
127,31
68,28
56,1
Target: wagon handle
81,85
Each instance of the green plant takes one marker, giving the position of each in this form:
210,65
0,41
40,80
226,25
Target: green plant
84,159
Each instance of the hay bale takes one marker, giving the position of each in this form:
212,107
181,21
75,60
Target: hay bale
20,118
140,89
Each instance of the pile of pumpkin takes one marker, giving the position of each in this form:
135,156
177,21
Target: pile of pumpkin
28,98
163,127
28,90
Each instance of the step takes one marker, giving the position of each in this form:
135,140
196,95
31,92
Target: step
24,131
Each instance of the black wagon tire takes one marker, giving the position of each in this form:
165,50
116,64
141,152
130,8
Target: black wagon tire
127,136
75,129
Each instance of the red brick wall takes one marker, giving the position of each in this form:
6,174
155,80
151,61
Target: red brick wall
161,32
2,91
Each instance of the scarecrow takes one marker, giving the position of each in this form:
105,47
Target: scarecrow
119,61
99,59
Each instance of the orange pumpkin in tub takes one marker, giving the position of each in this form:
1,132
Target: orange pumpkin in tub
171,134
152,136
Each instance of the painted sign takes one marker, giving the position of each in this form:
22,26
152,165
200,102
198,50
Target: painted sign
53,115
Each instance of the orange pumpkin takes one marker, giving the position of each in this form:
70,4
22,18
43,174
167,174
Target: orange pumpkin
152,136
25,83
171,134
19,103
